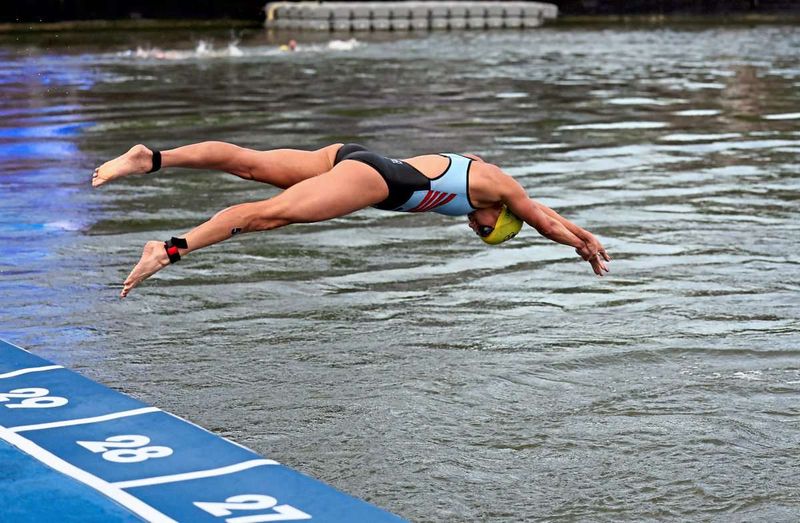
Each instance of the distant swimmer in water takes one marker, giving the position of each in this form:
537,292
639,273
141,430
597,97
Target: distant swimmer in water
340,179
289,46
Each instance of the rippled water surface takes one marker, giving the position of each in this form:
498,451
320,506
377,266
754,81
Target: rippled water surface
395,356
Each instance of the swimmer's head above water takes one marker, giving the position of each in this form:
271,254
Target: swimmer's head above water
505,224
291,45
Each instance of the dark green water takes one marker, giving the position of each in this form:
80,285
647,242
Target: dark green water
395,356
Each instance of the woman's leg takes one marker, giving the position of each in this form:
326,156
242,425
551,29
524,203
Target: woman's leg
346,188
280,167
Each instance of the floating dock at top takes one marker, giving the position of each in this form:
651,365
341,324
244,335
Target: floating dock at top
74,451
407,16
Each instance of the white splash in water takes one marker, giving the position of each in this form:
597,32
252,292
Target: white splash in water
206,50
343,45
203,49
233,49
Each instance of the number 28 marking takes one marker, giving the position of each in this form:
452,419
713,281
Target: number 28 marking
252,502
127,449
34,398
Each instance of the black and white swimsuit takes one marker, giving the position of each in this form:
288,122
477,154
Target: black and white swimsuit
412,191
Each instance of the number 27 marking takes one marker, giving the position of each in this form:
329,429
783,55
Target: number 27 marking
252,502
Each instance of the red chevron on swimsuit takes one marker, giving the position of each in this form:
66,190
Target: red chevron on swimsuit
433,200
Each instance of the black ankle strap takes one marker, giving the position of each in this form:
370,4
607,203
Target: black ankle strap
172,245
156,161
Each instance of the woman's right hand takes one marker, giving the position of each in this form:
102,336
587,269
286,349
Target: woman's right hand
594,252
592,247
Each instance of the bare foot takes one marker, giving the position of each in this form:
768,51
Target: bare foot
154,258
138,160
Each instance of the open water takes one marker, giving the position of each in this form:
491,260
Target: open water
395,356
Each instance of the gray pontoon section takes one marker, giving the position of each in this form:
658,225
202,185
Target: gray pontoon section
407,16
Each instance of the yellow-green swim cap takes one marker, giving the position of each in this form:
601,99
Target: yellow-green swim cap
506,227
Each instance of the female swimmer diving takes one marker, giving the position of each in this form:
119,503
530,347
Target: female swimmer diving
340,179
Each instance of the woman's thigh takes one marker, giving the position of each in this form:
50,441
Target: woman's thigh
286,167
346,188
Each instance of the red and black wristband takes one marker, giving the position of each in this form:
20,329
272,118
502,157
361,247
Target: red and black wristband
172,245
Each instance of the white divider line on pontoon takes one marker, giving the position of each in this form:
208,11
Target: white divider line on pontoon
128,501
20,372
84,421
210,473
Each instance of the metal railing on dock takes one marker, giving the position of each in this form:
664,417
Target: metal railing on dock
407,16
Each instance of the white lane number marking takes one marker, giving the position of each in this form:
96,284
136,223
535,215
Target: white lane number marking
126,449
32,398
252,502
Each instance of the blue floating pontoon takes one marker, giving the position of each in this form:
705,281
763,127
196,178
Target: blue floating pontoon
74,450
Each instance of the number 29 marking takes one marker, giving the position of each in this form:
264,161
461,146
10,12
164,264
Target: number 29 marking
32,398
252,502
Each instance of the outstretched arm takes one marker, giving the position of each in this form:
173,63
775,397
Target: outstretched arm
595,247
555,227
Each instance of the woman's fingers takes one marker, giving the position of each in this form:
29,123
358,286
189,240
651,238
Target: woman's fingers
596,255
598,265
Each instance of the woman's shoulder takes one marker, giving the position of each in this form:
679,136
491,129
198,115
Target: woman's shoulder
489,184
